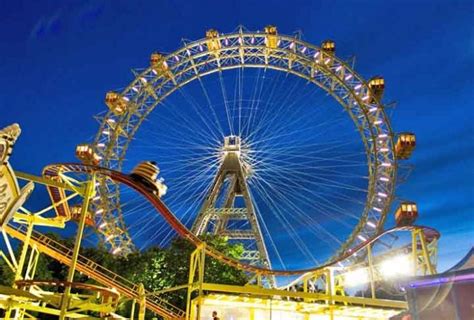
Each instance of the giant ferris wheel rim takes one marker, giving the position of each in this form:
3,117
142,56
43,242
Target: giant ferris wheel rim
249,50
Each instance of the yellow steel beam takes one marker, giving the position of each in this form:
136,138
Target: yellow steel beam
48,182
254,290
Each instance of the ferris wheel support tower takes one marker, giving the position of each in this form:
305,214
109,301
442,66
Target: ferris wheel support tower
224,217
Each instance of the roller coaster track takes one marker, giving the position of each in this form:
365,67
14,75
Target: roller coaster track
53,172
129,289
97,272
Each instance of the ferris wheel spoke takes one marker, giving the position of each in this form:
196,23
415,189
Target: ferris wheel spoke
284,222
188,130
224,97
305,218
301,197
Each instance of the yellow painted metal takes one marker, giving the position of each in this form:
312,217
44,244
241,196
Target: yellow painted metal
262,308
49,182
89,192
141,302
371,271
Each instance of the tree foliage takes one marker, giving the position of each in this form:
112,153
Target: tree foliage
157,268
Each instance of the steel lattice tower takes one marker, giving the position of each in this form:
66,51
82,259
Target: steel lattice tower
224,214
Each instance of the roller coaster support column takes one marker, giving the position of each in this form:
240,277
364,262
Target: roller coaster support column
21,264
141,302
89,193
371,271
197,263
422,253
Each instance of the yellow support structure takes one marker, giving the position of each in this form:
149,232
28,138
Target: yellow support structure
89,193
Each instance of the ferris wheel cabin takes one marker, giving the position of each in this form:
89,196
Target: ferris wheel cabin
85,153
406,214
405,145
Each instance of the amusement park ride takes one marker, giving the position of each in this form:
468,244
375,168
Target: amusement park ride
227,207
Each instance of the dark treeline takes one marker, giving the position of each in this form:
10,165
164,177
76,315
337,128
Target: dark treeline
157,268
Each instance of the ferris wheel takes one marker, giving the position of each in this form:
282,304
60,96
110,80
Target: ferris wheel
260,137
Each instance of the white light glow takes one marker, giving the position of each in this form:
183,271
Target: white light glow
362,238
396,267
356,277
348,77
377,209
357,87
384,179
338,68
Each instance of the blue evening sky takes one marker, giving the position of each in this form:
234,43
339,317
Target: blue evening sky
58,58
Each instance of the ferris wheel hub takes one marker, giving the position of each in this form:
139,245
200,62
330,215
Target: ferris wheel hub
234,155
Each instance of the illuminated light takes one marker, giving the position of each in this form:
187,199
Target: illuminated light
327,60
378,122
383,195
102,225
303,50
384,179
176,58
109,237
338,68
240,41
366,98
99,211
201,48
165,64
252,41
316,54
362,238
292,45
386,164
226,41
396,267
154,71
377,209
188,52
110,120
348,77
383,149
356,277
357,87
101,145
96,198
116,250
373,109
135,89
371,224
126,99
278,43
143,80
106,132
383,135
